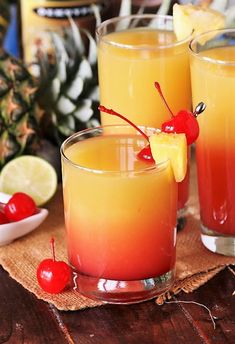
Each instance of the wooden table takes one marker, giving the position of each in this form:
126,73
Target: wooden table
25,319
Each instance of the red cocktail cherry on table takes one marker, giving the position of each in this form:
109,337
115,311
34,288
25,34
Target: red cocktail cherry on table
19,206
52,275
185,122
145,153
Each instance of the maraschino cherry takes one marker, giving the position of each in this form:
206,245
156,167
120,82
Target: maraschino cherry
145,153
3,218
184,122
19,206
52,275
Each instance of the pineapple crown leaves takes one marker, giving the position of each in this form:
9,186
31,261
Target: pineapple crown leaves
126,7
68,81
69,92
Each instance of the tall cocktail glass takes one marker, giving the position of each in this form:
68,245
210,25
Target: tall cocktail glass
120,215
133,53
213,82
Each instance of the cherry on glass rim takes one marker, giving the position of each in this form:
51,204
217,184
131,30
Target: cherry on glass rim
184,122
145,153
52,275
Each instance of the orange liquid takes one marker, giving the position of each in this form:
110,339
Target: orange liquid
213,84
120,225
127,76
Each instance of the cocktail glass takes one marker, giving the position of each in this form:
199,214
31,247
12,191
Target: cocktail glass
120,215
133,53
213,82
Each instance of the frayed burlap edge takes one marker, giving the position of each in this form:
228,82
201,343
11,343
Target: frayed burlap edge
189,284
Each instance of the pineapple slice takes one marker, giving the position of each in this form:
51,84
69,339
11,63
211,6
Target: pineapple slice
173,147
194,19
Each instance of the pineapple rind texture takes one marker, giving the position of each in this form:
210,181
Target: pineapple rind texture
19,122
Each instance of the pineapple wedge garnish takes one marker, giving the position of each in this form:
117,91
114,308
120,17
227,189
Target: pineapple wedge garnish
172,147
195,19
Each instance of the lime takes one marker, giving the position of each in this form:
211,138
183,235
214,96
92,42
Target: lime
29,174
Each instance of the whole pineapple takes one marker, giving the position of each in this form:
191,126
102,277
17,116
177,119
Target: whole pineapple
4,18
68,92
18,119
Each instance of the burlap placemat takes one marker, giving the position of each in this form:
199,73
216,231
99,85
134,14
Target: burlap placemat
195,264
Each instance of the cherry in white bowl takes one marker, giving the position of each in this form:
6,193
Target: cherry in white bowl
14,230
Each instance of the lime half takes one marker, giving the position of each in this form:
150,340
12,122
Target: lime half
29,174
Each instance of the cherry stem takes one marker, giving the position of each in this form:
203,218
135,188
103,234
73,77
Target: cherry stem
112,112
158,87
52,242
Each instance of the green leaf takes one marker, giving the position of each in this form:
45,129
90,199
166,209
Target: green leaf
65,106
55,88
97,15
76,88
84,110
92,52
85,70
59,45
164,8
67,125
77,37
125,8
94,93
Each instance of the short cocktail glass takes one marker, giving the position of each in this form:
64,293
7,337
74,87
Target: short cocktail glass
120,216
133,53
213,82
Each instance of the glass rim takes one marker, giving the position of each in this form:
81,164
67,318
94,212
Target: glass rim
142,47
206,58
156,166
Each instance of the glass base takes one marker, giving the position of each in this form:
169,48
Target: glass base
122,292
181,219
218,242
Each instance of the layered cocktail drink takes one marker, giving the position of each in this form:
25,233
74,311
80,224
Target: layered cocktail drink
120,215
133,53
213,81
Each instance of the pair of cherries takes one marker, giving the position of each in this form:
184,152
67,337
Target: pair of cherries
184,122
19,207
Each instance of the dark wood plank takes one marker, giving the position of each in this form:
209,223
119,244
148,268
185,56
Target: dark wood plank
24,318
170,323
217,296
143,323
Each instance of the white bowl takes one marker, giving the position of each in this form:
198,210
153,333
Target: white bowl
14,230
